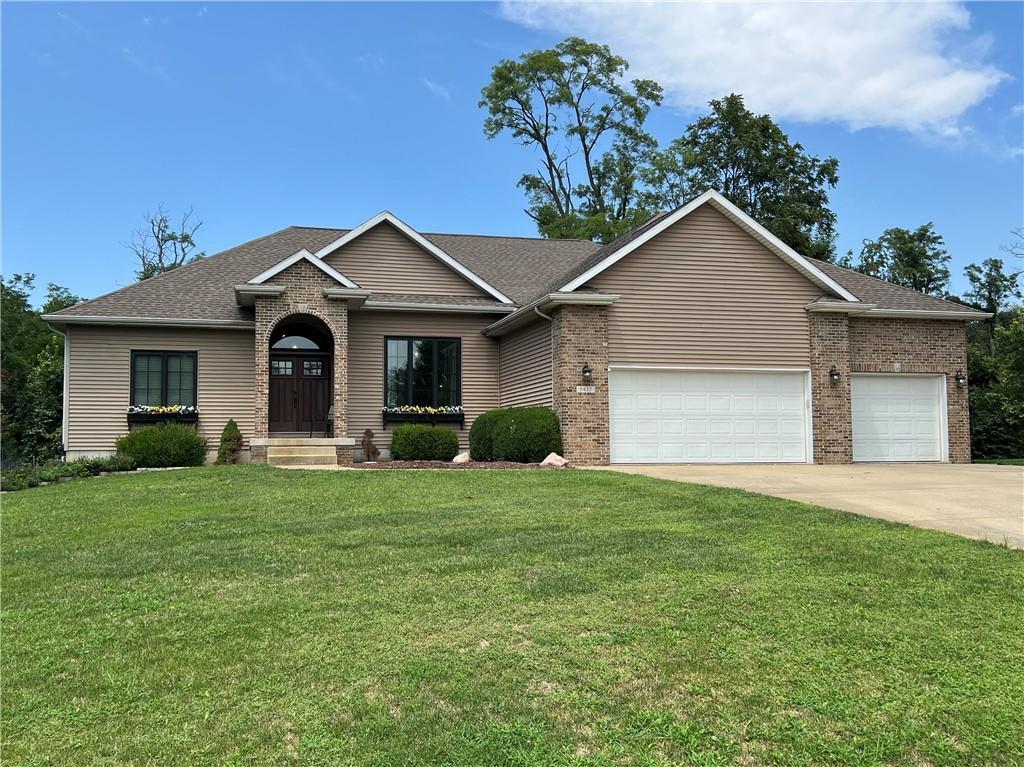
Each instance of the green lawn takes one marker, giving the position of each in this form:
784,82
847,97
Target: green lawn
1002,461
253,616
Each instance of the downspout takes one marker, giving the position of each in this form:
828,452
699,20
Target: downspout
551,348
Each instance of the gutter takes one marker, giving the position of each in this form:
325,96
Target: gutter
872,310
159,322
545,302
398,306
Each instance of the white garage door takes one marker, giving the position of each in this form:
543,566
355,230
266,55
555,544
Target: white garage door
671,416
897,418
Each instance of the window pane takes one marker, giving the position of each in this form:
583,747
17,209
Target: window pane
422,372
312,368
448,383
280,367
180,381
295,342
147,379
397,372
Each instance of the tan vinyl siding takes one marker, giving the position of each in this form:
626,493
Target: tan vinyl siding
366,334
385,260
524,366
704,292
100,375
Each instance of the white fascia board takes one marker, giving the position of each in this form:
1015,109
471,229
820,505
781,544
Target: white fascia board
843,307
356,297
245,295
528,311
928,314
301,255
396,306
161,322
780,248
419,239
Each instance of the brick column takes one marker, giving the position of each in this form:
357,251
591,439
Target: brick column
580,335
830,402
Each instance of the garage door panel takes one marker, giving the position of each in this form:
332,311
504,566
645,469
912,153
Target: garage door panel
897,417
707,417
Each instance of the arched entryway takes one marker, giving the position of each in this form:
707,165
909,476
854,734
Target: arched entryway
300,376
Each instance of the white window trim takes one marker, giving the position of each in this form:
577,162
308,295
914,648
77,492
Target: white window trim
780,248
302,255
416,237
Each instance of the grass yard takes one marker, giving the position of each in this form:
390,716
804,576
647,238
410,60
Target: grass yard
252,616
1002,461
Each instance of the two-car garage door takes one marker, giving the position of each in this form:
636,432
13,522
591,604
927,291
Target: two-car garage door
675,416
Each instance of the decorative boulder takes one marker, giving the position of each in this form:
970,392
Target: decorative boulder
461,458
554,459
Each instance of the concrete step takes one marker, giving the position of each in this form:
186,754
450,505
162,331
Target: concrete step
302,441
302,460
301,450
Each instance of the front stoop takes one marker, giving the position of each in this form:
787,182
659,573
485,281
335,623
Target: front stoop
303,451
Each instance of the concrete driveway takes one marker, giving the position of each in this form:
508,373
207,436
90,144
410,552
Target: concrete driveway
974,500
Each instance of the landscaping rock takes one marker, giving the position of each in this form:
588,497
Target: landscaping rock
554,459
461,458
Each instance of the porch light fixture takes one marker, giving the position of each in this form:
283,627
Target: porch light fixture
587,373
834,375
960,378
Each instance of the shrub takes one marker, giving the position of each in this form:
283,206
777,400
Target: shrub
230,443
526,434
481,435
110,463
17,479
169,444
417,442
56,470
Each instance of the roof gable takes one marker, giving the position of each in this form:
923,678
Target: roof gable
623,246
294,258
389,219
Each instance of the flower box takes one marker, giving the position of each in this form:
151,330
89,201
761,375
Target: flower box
162,417
395,416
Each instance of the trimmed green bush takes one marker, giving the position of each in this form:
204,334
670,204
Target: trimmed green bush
168,444
17,479
418,442
107,464
526,434
230,443
481,435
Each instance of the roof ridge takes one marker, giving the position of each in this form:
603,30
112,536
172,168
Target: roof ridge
460,234
156,277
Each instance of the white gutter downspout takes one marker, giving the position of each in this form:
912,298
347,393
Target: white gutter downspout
551,348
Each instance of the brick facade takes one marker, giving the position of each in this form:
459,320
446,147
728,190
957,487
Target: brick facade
830,402
579,335
304,285
882,345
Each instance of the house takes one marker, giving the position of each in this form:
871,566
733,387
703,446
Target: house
697,337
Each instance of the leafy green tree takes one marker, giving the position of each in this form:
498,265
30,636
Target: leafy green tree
914,259
572,105
993,289
997,392
161,246
28,350
750,160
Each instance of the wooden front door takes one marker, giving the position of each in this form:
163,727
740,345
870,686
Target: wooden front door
300,392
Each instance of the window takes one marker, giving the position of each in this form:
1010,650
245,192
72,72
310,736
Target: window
280,367
422,371
163,378
295,342
312,367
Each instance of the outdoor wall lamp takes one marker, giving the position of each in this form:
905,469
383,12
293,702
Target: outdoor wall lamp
834,375
960,378
587,373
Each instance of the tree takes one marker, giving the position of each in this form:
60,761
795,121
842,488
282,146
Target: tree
992,290
1016,246
570,103
914,259
160,247
750,160
29,349
997,392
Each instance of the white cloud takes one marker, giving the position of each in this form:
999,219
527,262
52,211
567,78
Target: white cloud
436,89
913,66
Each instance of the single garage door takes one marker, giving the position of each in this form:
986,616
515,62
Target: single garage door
897,417
671,416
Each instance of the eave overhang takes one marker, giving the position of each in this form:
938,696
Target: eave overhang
874,311
535,309
157,322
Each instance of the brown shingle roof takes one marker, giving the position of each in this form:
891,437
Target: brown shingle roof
523,268
886,295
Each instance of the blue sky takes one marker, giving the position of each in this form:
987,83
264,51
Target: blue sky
265,115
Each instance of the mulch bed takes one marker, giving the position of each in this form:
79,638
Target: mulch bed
448,465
